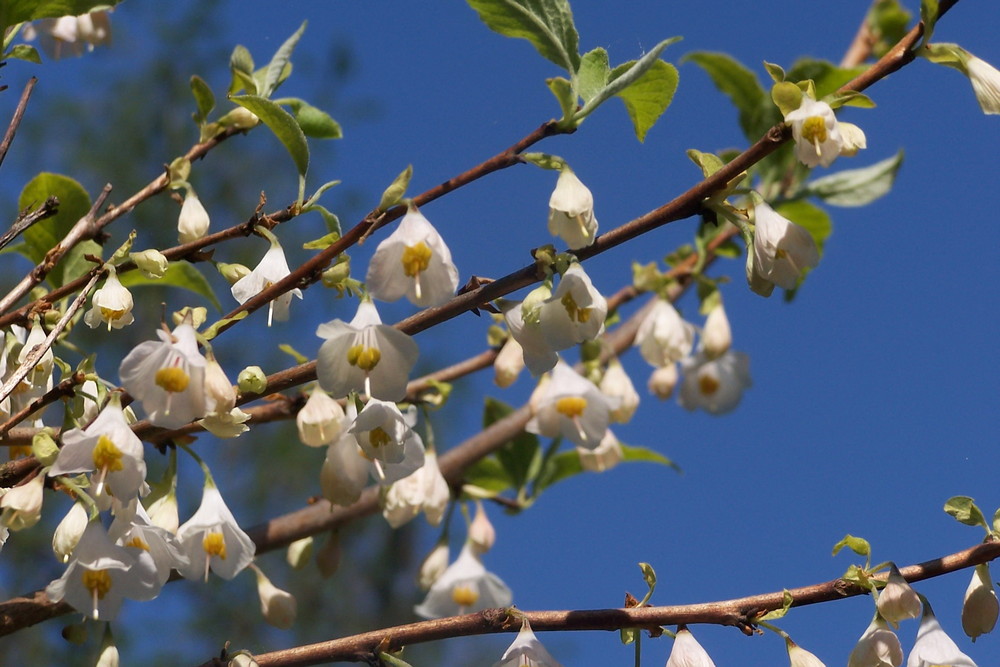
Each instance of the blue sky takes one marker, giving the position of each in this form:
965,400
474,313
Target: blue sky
874,396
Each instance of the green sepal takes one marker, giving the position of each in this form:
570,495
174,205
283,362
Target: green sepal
928,16
293,353
849,98
275,72
858,545
776,72
394,193
213,331
203,98
786,604
628,635
547,24
964,510
545,161
282,124
323,242
855,187
178,172
563,90
24,52
786,96
314,122
121,253
593,75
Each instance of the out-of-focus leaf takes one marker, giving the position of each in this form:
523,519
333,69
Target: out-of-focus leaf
203,97
856,187
74,203
547,24
594,73
282,124
179,274
815,220
17,11
313,121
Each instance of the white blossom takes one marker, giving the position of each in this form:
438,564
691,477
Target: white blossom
985,80
662,381
272,267
980,607
878,647
574,313
934,648
605,456
320,420
526,650
482,534
211,539
783,251
714,385
814,128
425,489
525,328
463,588
276,605
717,336
388,440
571,406
571,211
433,565
687,652
111,304
70,35
663,337
193,221
509,363
897,601
67,534
617,385
799,657
22,505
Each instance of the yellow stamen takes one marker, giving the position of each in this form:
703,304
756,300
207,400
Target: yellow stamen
708,384
110,315
378,437
575,312
415,259
107,457
571,406
173,379
215,545
98,582
137,543
19,450
365,358
814,131
464,596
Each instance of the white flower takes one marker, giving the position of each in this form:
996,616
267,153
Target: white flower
365,356
463,588
71,35
482,534
853,139
814,128
687,652
509,363
272,268
425,489
224,419
110,449
41,375
878,647
980,607
663,337
783,251
934,648
605,456
897,601
22,505
985,84
574,313
617,385
242,659
537,354
100,575
277,606
211,538
717,336
192,224
388,440
112,304
413,262
571,211
662,381
345,471
168,376
526,650
571,406
320,420
714,385
67,533
133,529
799,657
433,566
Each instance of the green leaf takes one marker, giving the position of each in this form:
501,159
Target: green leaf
562,88
282,124
849,98
594,73
394,193
74,264
323,242
313,121
786,604
331,221
25,52
241,67
488,473
888,22
856,187
213,331
826,76
929,16
776,72
276,67
996,521
645,455
74,203
518,455
293,353
17,11
786,96
964,510
547,24
743,89
648,575
203,97
179,274
815,220
858,545
709,163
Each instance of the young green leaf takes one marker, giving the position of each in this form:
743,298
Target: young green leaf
282,124
964,510
241,68
786,604
547,24
74,203
276,67
25,52
858,545
856,187
741,86
594,73
314,122
394,193
203,97
928,16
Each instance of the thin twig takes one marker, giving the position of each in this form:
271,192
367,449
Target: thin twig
15,120
27,218
65,388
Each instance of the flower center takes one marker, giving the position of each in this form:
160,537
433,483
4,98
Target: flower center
708,384
814,130
111,314
575,312
215,545
571,406
137,543
98,582
365,358
172,379
107,457
378,437
415,259
464,596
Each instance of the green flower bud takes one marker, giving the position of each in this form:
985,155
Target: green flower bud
151,263
233,273
337,273
252,380
44,447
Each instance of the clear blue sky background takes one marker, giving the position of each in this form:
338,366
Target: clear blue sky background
875,392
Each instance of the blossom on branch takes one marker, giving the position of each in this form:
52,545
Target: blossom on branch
569,405
687,652
878,647
783,251
526,650
574,313
424,489
897,601
980,606
571,211
70,35
814,128
193,221
463,588
934,648
272,267
111,304
714,385
211,539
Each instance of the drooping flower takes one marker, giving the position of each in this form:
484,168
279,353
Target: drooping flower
193,221
223,418
277,606
151,263
687,652
320,420
211,539
482,534
663,337
70,35
345,470
525,328
168,376
272,268
571,211
878,647
111,304
413,262
617,385
109,449
934,648
134,530
433,565
463,588
662,381
799,657
605,456
22,505
365,356
714,385
571,406
526,650
425,489
814,128
388,440
67,534
509,363
980,607
985,80
574,313
897,601
717,336
783,251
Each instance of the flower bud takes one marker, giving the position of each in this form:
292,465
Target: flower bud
799,657
192,224
252,380
241,118
22,505
319,422
242,659
151,263
898,600
44,447
616,384
434,565
605,456
482,534
337,273
717,336
109,652
508,364
277,606
233,273
163,512
662,381
67,533
299,552
219,391
980,608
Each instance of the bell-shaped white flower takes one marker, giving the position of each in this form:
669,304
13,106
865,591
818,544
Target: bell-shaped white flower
109,449
617,385
714,385
574,313
272,268
425,489
22,505
134,530
211,539
663,337
662,381
100,575
605,456
878,647
193,221
345,471
111,304
277,606
151,263
463,588
388,440
365,356
717,336
526,650
482,534
525,328
799,657
224,419
934,648
571,211
67,534
980,607
168,376
70,35
814,128
40,376
433,565
320,420
852,139
783,251
572,407
413,262
687,652
509,363
985,80
897,601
